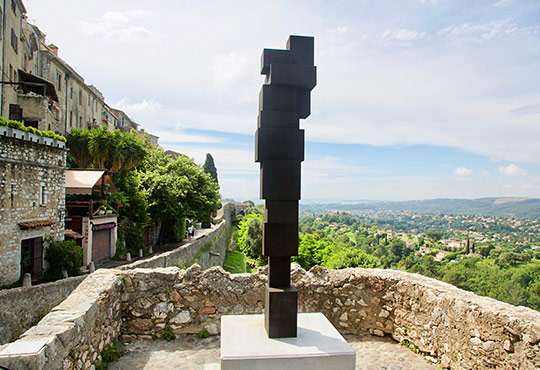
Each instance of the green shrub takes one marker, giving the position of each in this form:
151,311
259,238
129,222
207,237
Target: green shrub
167,333
19,126
63,254
15,124
132,236
203,334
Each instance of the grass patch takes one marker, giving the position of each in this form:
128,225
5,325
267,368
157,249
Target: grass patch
234,262
109,354
167,333
203,334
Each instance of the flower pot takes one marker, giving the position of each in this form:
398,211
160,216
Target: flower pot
32,137
6,131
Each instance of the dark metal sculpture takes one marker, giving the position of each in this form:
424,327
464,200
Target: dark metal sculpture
279,148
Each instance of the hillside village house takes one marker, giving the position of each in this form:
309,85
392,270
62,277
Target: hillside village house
32,202
42,90
95,222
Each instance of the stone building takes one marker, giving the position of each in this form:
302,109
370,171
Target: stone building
32,202
42,90
11,15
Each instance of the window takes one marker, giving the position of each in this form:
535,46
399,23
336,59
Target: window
71,92
58,81
10,72
80,121
71,118
14,41
88,99
14,7
1,17
43,195
80,97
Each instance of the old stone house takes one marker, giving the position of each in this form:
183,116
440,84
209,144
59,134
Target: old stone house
32,202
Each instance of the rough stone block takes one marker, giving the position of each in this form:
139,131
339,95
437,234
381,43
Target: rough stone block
293,75
279,272
279,212
302,49
280,180
270,56
278,119
280,240
273,97
280,312
279,144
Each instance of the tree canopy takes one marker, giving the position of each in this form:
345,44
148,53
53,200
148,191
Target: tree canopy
177,189
114,151
210,168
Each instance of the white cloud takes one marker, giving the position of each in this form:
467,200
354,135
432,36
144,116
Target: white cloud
481,31
501,3
119,26
527,110
463,172
512,170
133,108
402,34
229,71
337,30
485,172
167,138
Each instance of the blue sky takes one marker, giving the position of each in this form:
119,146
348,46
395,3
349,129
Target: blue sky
415,99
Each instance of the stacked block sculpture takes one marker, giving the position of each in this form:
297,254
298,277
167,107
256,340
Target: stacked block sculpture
279,148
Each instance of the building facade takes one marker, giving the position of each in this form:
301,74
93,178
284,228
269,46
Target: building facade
42,90
32,202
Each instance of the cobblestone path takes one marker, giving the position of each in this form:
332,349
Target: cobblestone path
192,353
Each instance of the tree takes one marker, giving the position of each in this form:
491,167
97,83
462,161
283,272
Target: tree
111,150
253,243
176,189
210,168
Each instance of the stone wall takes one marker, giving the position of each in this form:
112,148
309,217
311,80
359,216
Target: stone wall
26,167
21,308
456,328
75,332
207,250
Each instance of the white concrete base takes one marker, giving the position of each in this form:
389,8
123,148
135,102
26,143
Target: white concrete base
245,345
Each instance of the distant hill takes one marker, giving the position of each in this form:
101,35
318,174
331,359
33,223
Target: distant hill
499,207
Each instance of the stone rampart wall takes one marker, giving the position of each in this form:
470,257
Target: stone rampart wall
22,307
457,328
208,250
75,332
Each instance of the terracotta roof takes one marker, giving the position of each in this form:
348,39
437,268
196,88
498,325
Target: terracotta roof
35,223
72,234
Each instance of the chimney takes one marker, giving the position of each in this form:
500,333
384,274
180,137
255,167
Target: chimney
53,48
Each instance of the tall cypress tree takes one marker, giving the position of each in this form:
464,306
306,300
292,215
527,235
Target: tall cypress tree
210,168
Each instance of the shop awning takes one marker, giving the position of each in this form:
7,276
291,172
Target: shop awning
82,181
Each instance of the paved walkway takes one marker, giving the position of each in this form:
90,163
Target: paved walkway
199,233
192,353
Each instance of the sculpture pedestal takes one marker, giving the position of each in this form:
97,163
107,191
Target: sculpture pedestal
318,345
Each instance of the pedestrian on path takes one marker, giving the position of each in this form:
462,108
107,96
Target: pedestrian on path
191,231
